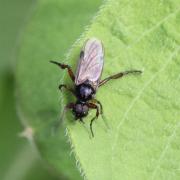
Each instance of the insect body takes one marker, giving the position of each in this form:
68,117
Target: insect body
87,80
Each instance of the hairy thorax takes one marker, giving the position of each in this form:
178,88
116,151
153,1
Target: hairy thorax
84,92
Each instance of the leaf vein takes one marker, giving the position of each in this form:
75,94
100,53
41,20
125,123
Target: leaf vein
169,140
145,33
136,99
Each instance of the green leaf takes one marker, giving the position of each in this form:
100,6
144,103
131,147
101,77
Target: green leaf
142,111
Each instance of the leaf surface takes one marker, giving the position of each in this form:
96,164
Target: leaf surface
141,111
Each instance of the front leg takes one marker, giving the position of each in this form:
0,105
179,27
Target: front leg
66,108
65,66
95,101
93,106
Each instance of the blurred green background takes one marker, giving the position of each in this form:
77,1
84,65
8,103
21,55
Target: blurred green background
18,160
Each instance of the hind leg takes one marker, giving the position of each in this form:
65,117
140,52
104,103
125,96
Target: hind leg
119,75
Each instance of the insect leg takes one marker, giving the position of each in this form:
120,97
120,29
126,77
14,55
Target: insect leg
81,120
95,101
93,106
101,107
119,75
67,107
67,88
65,66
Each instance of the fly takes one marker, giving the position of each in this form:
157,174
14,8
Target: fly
87,80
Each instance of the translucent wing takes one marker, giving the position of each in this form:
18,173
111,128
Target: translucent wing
90,63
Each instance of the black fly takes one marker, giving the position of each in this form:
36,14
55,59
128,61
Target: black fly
87,80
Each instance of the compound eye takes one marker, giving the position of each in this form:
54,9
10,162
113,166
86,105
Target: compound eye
78,108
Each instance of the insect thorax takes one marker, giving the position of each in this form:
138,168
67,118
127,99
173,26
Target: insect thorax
85,92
